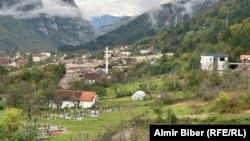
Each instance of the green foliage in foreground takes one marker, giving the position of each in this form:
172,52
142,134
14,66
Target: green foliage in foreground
12,128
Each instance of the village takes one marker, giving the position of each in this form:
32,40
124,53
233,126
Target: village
86,67
93,70
119,57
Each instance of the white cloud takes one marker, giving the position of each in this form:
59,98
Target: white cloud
116,7
87,8
49,7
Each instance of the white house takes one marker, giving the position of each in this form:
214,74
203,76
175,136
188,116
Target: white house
214,62
39,57
143,51
87,99
71,98
126,53
48,54
67,104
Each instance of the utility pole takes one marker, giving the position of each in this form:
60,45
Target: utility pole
106,55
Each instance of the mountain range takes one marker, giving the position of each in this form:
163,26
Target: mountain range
44,25
146,24
99,21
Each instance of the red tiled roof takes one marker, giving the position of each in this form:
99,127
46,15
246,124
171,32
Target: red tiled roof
67,95
87,96
74,95
4,60
93,76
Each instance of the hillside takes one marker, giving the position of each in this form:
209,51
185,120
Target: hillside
99,21
37,25
146,24
177,91
222,28
102,30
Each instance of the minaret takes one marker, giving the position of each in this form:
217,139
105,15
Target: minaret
107,65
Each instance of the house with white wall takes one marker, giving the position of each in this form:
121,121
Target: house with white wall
125,53
48,54
72,98
39,57
214,62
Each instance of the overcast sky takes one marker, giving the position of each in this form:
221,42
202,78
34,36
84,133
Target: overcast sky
86,8
91,8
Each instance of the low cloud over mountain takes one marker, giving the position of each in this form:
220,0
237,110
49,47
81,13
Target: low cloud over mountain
27,9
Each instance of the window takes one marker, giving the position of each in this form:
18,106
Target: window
222,59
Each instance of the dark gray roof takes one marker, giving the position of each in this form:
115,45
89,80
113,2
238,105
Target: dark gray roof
214,55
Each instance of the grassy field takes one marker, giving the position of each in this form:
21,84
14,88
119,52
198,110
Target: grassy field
193,111
134,86
123,110
96,126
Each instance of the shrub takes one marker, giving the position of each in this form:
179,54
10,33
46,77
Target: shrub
226,104
167,98
171,117
2,105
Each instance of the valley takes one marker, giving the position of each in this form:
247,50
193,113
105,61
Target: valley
179,63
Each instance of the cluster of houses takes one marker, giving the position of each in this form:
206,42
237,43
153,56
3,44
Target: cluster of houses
21,58
69,98
85,99
125,50
38,57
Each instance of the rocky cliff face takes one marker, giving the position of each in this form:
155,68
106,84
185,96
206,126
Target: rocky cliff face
175,10
102,30
58,22
147,23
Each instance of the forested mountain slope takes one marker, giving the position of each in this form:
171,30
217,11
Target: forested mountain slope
41,25
223,28
146,24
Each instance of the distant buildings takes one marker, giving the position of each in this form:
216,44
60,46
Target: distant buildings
38,57
4,61
245,58
21,58
146,51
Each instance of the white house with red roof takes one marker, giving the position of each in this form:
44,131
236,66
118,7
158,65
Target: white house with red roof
87,99
72,98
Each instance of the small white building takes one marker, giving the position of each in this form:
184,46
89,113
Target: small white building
71,98
48,54
87,99
126,53
39,57
147,51
214,62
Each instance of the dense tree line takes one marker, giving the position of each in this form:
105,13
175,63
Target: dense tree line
30,90
222,28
